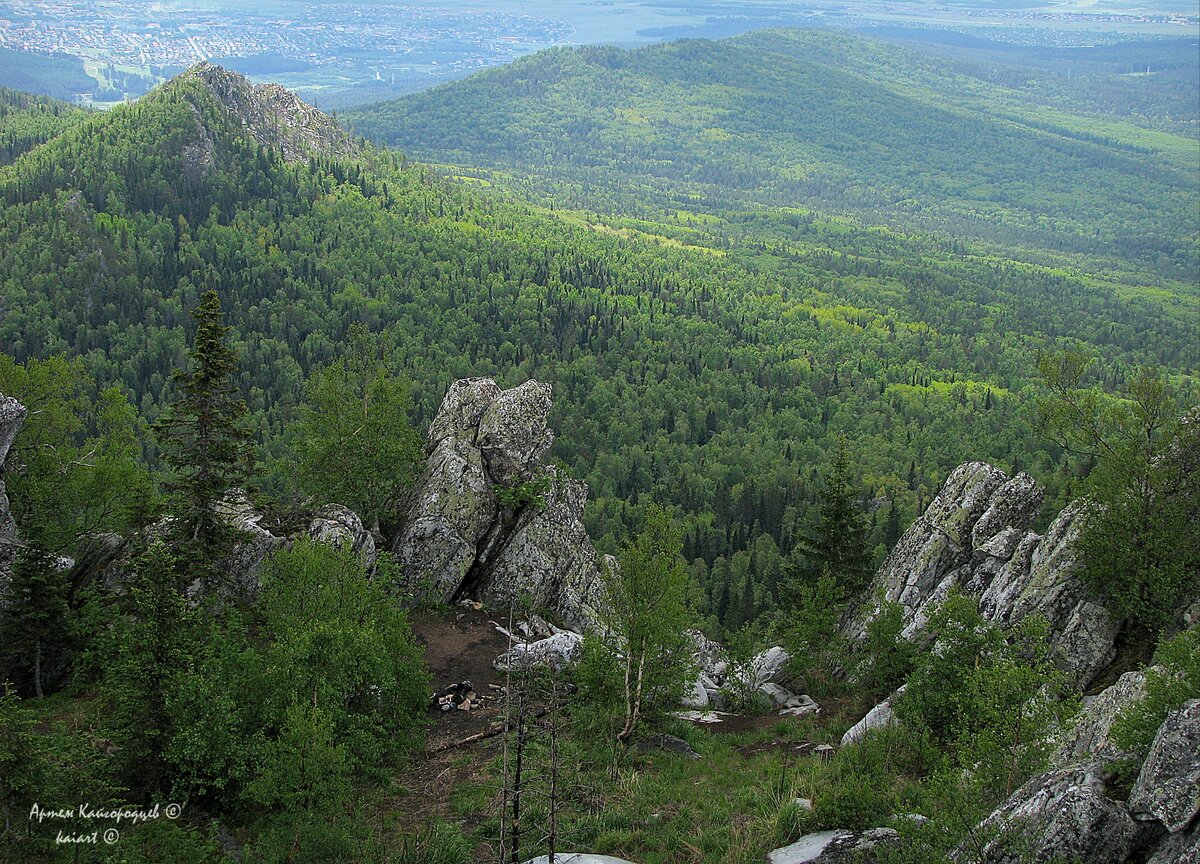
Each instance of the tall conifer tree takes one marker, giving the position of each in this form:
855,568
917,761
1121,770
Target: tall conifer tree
202,434
837,542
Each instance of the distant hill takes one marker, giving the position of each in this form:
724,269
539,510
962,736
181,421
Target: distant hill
27,120
60,76
832,121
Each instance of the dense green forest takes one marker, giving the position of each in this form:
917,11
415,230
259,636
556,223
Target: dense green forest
26,121
705,370
206,289
833,122
58,75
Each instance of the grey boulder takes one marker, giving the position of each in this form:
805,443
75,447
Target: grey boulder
1090,736
560,651
882,715
340,526
836,847
1168,787
1062,814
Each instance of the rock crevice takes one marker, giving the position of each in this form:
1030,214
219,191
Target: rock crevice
488,520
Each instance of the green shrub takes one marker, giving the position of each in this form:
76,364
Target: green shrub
888,658
1175,681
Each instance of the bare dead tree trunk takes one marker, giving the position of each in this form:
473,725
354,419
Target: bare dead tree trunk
507,721
515,856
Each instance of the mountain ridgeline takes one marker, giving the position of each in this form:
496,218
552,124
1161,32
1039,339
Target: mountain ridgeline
822,120
707,371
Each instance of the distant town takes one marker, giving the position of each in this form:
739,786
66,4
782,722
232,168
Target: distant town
338,54
342,42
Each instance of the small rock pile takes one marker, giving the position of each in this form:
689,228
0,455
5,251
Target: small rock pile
463,697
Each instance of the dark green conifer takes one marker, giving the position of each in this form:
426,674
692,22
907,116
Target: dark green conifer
201,434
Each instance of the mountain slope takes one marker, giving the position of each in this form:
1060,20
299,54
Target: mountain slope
715,376
815,119
27,120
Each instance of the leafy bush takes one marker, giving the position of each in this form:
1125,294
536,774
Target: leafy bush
519,494
811,636
888,657
991,694
1174,679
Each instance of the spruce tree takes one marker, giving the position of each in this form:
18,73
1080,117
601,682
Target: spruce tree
837,542
202,435
33,630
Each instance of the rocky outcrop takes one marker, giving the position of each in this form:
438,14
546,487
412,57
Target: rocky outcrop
1168,786
560,651
976,536
548,558
488,520
254,543
882,715
272,115
1178,849
1060,815
1090,737
1069,813
340,526
12,416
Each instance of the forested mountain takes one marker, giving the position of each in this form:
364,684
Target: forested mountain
27,120
830,121
712,373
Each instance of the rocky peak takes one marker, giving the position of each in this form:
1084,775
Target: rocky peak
273,115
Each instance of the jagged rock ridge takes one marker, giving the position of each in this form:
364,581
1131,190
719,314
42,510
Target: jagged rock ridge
274,116
976,536
488,520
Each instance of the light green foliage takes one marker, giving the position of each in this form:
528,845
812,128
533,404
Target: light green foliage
27,120
526,492
303,770
334,639
646,616
273,718
74,467
876,778
888,658
813,612
1136,545
741,682
841,122
357,446
990,693
1173,680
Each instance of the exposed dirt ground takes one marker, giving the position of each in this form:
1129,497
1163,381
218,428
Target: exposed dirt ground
460,644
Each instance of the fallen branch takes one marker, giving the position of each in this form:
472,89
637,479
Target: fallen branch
491,732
